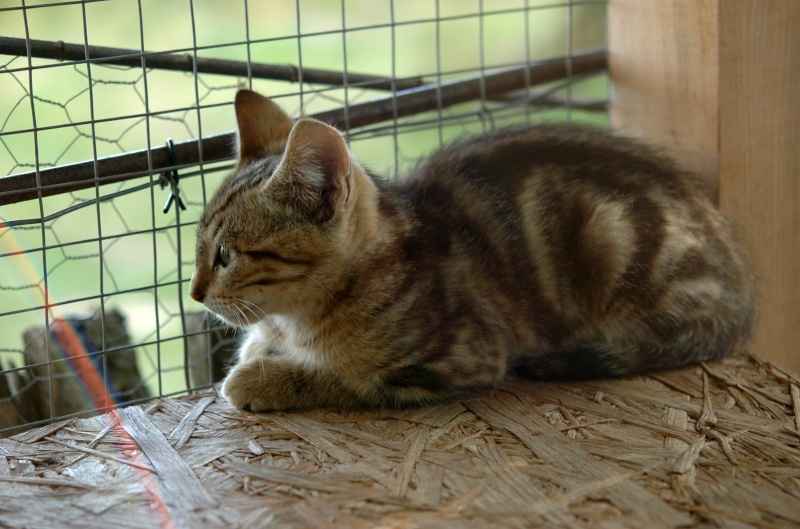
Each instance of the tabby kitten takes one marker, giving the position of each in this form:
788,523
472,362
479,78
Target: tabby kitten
548,252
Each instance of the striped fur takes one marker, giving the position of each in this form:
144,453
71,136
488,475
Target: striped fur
549,252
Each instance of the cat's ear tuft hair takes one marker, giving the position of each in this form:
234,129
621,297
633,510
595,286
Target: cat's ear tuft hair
263,126
316,167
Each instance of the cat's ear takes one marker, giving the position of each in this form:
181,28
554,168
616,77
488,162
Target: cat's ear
315,170
263,126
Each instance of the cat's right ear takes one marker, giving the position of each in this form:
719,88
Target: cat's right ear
315,173
263,126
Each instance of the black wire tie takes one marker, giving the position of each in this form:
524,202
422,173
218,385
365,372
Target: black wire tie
172,178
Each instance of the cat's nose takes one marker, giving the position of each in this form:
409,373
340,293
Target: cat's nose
196,295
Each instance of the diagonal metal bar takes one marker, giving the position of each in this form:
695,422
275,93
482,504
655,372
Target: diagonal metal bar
489,85
63,51
20,187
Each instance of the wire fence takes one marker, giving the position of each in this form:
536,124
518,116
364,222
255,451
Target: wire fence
110,107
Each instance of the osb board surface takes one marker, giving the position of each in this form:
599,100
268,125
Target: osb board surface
708,446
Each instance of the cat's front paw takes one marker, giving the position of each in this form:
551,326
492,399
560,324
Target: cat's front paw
273,383
244,388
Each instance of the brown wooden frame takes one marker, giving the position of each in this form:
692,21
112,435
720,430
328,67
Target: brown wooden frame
717,84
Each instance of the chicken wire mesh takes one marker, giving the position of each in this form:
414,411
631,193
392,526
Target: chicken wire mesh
93,271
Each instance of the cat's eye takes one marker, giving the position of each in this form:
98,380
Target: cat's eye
224,255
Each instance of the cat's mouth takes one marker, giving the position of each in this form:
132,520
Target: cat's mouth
238,314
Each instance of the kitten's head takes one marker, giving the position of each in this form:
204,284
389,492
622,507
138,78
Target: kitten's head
275,237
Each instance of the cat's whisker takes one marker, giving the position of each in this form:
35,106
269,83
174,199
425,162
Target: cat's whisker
319,285
248,309
261,368
221,320
241,319
249,304
236,329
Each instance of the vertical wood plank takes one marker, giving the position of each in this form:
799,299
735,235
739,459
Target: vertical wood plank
759,172
663,61
712,81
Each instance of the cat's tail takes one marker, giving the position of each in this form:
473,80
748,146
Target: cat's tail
591,361
673,345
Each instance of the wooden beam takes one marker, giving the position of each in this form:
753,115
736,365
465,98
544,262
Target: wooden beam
715,83
759,152
663,61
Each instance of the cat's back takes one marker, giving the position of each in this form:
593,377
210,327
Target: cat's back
585,236
512,157
553,189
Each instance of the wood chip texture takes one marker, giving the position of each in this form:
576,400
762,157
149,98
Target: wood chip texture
715,445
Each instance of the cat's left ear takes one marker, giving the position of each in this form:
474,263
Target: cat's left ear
263,126
315,172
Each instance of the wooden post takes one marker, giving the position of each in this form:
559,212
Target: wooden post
716,83
63,371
